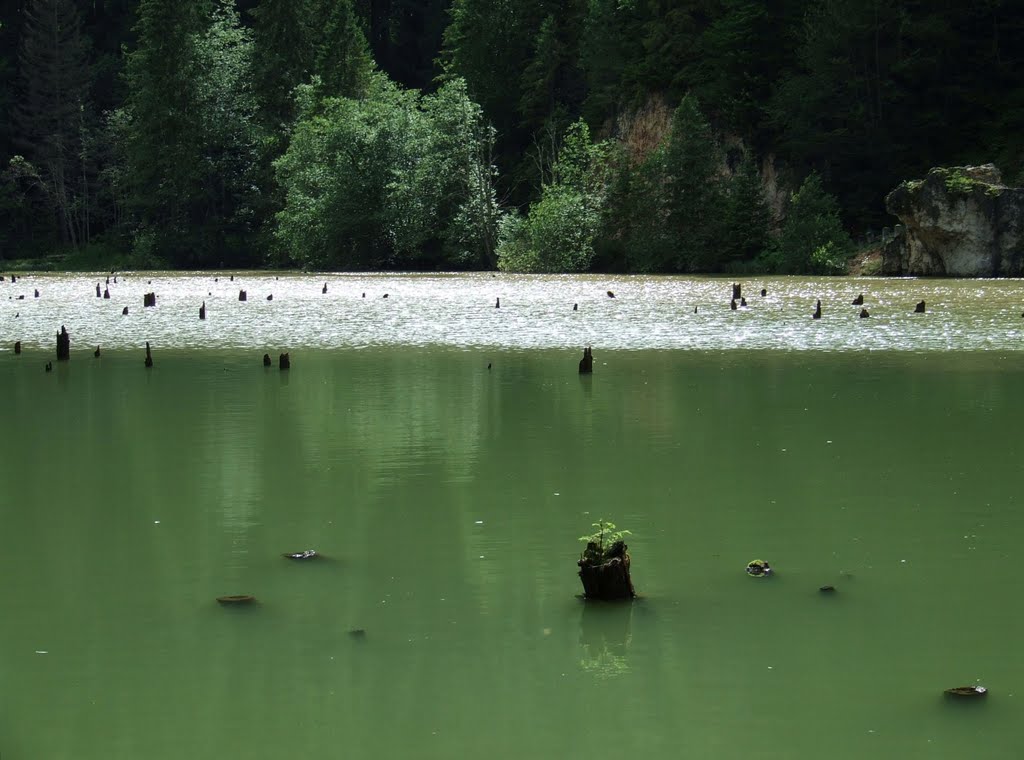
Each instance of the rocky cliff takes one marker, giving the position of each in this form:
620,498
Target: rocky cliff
960,221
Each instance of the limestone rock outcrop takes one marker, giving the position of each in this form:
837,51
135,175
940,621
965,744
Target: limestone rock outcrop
960,221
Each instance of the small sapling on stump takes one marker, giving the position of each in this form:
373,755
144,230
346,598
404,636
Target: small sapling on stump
604,565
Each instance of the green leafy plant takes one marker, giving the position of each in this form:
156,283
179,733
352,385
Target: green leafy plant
604,537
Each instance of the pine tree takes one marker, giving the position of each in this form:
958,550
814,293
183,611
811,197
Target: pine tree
746,217
52,114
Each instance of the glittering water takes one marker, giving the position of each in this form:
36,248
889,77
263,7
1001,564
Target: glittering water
536,312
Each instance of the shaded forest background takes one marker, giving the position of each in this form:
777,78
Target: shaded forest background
528,135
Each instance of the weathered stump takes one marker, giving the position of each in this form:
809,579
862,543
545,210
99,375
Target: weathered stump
266,360
764,292
96,353
17,347
325,288
587,362
149,356
919,309
497,303
124,312
241,295
270,297
97,290
611,294
817,310
202,311
284,362
605,575
575,307
859,300
732,305
743,301
864,314
106,293
37,292
148,299
736,291
63,345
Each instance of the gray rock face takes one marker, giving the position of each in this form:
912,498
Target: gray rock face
960,221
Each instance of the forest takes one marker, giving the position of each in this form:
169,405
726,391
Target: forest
663,136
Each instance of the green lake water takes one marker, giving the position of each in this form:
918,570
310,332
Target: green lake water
881,456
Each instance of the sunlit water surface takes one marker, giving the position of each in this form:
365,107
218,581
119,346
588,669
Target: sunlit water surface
445,455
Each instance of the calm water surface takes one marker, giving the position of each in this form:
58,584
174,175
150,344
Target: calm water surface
880,456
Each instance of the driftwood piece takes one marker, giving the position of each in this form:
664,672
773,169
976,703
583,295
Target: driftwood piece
587,362
605,575
63,345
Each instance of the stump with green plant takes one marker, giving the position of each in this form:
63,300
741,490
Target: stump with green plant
604,564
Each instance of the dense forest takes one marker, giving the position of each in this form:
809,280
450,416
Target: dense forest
526,135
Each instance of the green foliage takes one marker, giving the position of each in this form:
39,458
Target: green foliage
959,183
813,240
559,230
387,180
746,219
604,536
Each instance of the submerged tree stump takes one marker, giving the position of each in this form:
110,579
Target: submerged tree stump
919,309
106,293
97,290
241,295
266,360
587,362
124,312
284,361
605,575
149,356
737,293
148,299
63,345
202,311
859,300
17,347
817,310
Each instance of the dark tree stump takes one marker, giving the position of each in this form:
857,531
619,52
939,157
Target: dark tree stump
817,310
743,301
575,307
17,347
266,360
37,292
284,362
97,290
764,292
587,362
63,345
611,294
919,309
606,578
106,293
124,312
859,300
241,295
202,311
325,288
270,297
149,356
497,303
736,291
732,305
148,299
96,353
864,314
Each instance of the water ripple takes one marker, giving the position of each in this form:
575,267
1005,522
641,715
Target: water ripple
458,310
